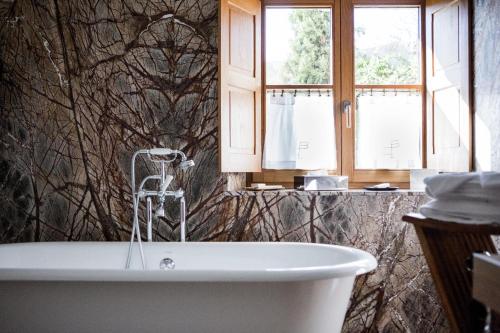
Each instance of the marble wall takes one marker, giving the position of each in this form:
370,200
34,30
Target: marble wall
83,84
487,84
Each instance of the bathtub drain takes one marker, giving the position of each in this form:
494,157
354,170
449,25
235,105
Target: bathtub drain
166,264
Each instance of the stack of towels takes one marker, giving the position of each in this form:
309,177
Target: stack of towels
472,197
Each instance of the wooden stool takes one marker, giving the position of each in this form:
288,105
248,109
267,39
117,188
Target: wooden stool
448,247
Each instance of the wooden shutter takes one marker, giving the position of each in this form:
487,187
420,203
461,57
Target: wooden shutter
240,86
449,144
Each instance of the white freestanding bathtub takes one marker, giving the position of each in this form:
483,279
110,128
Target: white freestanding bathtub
214,287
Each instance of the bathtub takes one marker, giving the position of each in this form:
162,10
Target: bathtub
214,287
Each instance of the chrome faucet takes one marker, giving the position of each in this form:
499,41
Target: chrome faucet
163,156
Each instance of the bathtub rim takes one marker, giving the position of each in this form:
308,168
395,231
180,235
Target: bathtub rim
364,264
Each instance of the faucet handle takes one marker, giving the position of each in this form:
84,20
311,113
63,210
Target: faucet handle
160,211
179,193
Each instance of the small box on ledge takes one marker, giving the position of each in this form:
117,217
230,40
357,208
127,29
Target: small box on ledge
321,183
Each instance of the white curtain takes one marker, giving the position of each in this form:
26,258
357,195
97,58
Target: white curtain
300,131
280,145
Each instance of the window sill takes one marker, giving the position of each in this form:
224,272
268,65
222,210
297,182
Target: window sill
350,192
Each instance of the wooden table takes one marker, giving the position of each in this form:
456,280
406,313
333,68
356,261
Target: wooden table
448,248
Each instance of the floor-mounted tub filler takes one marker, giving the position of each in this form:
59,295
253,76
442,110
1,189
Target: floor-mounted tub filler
177,287
163,157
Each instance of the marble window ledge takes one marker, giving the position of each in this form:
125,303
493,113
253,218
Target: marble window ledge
353,192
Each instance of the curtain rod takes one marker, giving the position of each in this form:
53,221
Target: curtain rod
359,92
393,91
320,91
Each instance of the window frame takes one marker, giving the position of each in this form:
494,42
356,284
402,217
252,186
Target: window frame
363,177
343,88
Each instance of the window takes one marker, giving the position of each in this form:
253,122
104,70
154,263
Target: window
388,89
343,88
299,103
298,46
384,129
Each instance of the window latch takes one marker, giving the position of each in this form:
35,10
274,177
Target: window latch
347,109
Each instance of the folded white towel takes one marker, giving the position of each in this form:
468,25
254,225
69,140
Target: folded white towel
466,184
462,211
468,191
466,197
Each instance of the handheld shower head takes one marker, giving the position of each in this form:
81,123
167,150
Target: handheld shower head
184,165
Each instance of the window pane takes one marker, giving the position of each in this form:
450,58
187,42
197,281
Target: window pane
387,45
300,131
388,127
298,46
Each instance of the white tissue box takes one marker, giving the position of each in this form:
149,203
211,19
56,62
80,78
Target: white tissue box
321,183
417,178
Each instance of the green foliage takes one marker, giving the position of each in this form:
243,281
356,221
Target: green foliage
310,60
385,69
393,63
